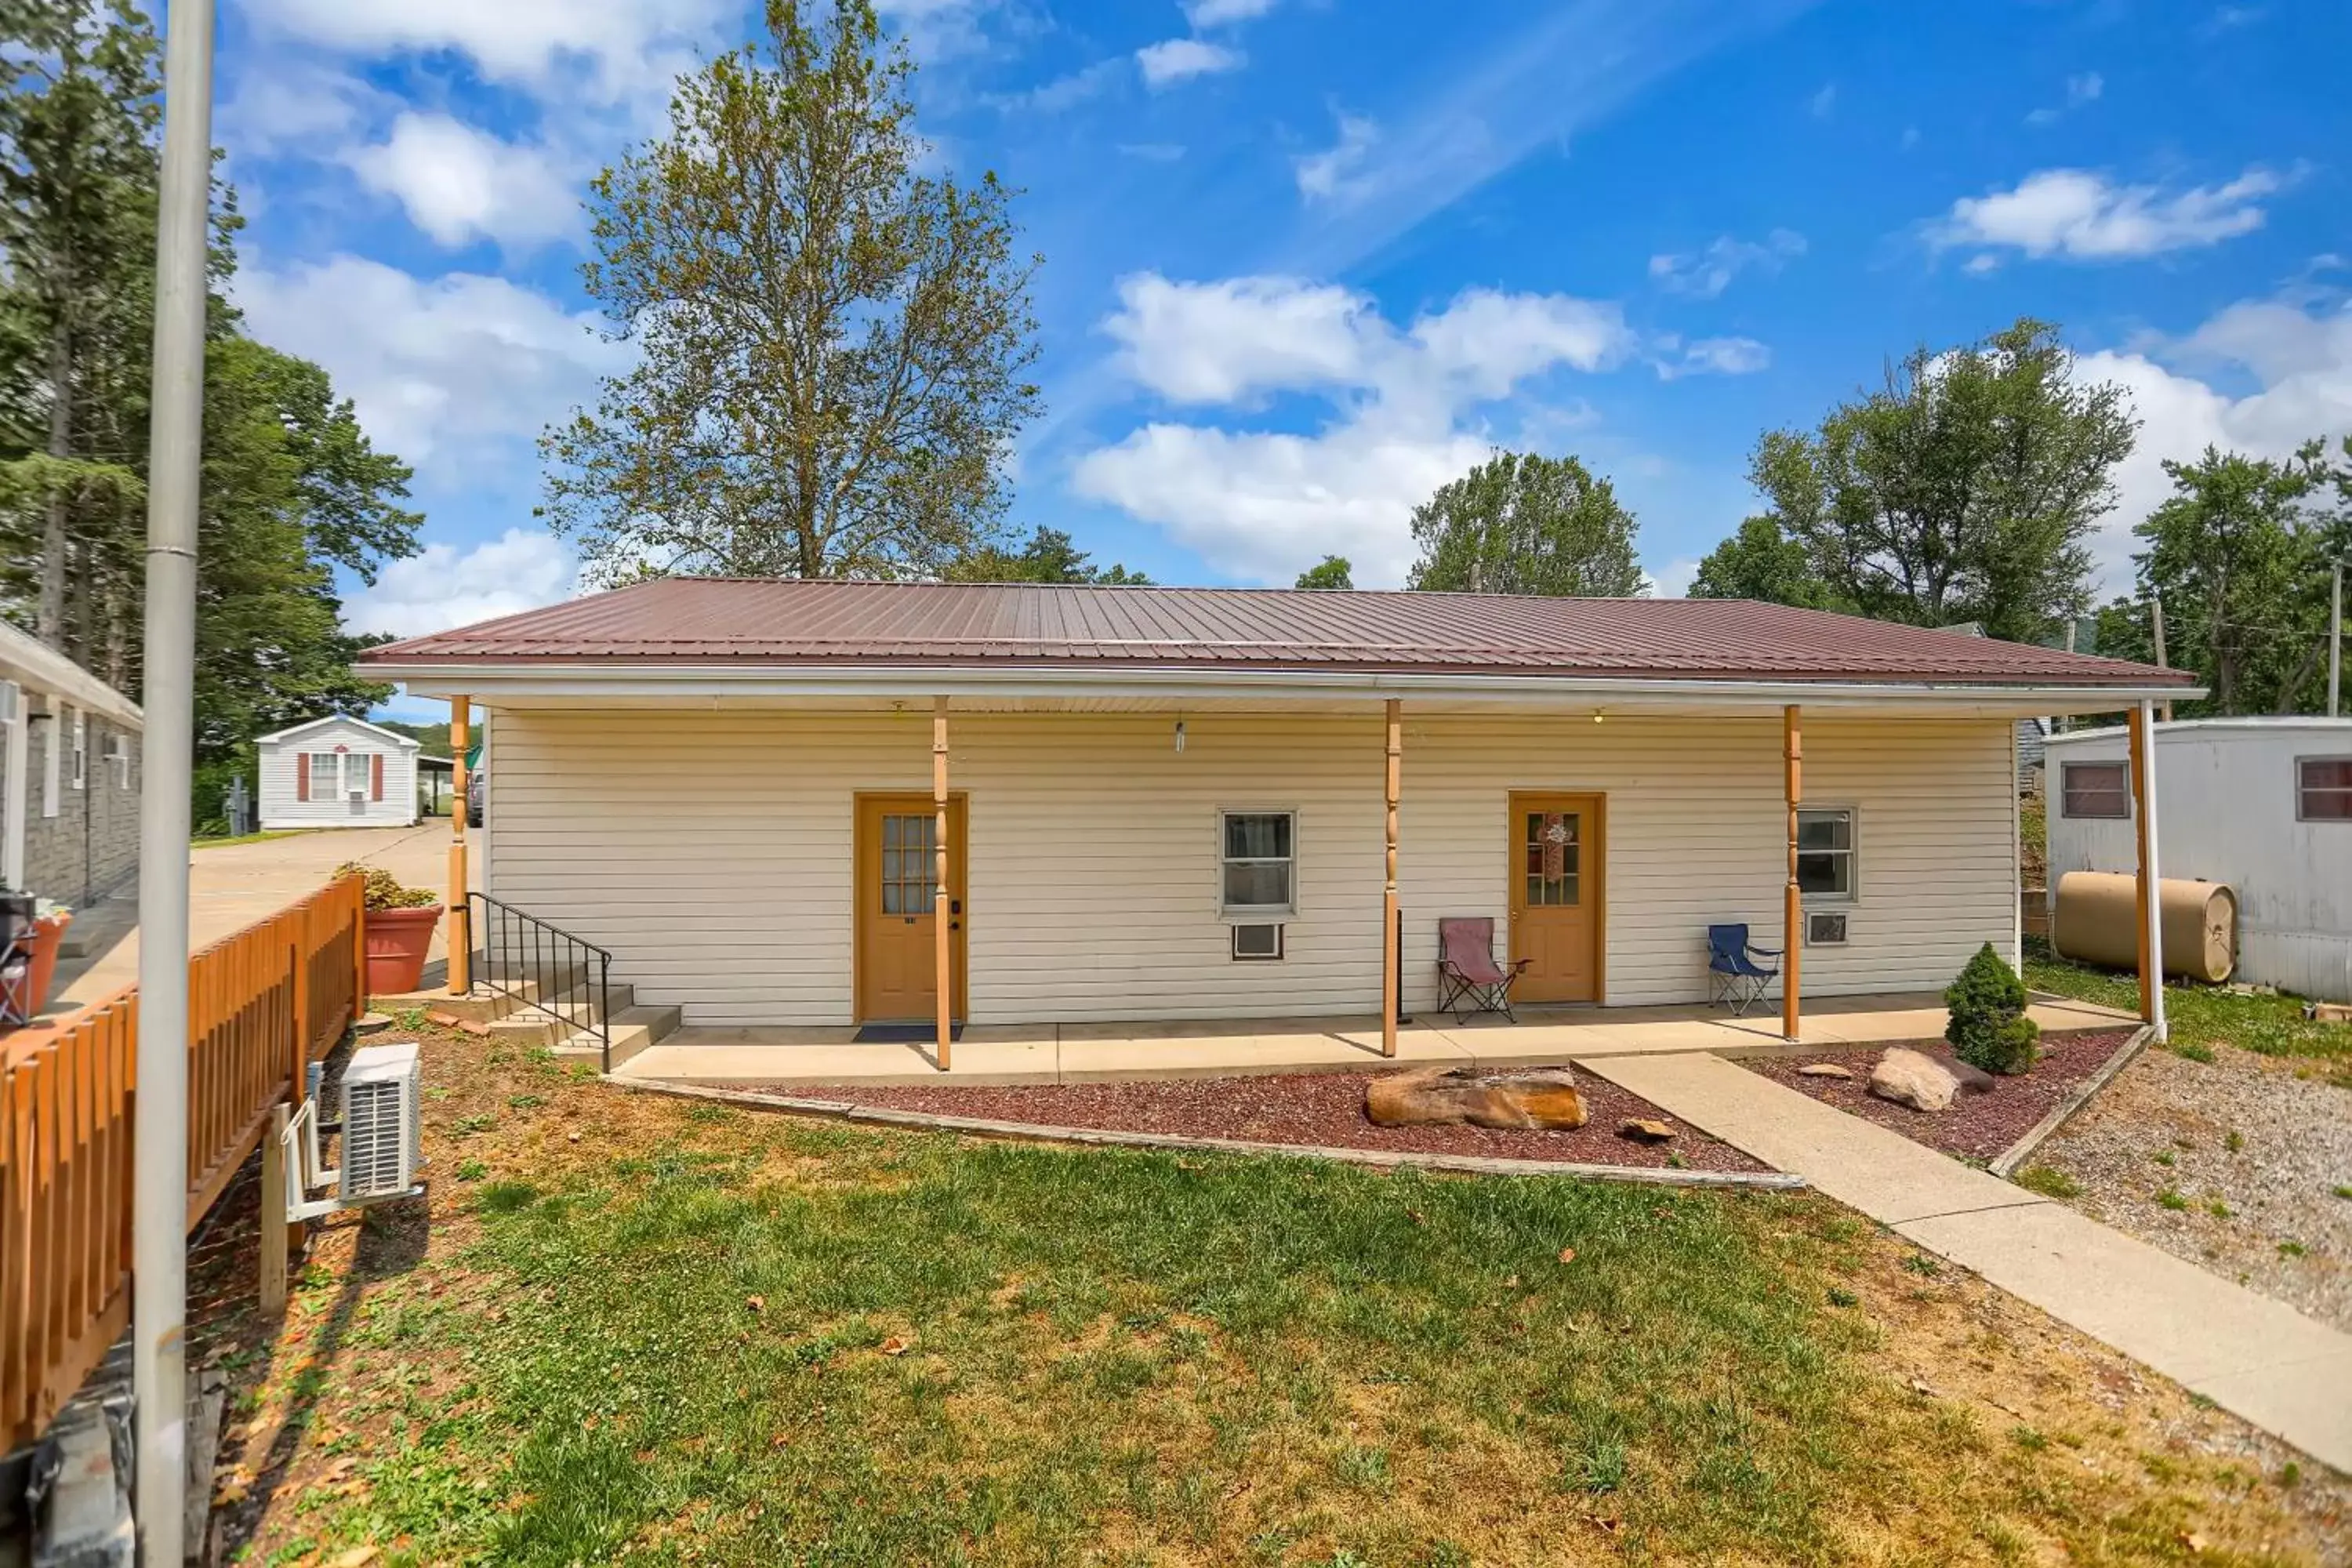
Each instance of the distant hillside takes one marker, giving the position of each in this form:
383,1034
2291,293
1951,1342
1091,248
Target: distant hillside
434,738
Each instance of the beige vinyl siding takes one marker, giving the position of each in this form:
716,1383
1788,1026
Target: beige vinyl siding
721,878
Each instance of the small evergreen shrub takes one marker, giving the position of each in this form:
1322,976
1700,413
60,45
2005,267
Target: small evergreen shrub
1988,1028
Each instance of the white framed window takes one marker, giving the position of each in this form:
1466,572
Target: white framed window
2095,790
1825,854
325,772
2323,789
81,749
118,753
1258,876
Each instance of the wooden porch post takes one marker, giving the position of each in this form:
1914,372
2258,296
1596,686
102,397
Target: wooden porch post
2148,883
1391,979
1792,939
461,944
943,949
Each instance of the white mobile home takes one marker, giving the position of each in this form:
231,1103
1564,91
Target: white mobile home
337,771
2262,805
1187,803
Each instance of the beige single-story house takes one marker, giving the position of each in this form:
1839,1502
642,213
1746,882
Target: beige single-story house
1201,804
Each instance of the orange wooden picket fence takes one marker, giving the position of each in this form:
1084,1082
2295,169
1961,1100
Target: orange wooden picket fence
262,1005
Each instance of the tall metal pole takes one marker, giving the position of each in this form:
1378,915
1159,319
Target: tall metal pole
159,1299
2334,638
2155,611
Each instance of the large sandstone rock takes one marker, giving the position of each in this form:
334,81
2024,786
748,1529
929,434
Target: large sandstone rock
1907,1077
1545,1098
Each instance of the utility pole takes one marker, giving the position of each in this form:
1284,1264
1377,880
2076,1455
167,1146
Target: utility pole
2335,635
159,1231
2156,609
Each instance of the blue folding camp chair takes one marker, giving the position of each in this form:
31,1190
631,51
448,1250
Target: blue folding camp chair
1738,981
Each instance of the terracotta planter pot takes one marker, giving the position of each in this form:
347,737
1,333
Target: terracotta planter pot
48,932
397,942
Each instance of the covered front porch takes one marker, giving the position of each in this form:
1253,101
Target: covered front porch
1097,1053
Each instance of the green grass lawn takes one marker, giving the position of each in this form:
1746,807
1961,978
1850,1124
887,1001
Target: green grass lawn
2202,1016
716,1337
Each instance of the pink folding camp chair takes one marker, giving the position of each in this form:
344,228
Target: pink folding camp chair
1466,969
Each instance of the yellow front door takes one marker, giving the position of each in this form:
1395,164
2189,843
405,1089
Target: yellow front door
897,958
1556,865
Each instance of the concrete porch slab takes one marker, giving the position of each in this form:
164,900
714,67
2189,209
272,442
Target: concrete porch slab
1174,1048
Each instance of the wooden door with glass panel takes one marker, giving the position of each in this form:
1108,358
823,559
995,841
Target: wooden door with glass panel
897,860
1556,847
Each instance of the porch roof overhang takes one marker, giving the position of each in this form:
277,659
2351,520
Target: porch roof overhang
876,684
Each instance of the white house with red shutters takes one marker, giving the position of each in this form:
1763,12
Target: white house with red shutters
337,771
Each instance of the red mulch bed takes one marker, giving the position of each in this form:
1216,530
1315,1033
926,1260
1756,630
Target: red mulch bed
1324,1110
1977,1126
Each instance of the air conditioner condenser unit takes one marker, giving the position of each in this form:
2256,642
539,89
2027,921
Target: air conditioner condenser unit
383,1134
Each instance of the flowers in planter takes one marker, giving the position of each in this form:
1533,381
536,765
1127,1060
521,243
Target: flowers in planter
1988,1028
385,890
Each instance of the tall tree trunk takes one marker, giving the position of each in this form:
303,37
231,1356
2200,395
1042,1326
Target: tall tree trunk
49,619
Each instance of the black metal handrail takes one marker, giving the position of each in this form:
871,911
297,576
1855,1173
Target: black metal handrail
521,957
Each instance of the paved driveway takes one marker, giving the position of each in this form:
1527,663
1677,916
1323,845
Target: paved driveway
231,886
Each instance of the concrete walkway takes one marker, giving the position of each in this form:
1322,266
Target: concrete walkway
2252,1356
234,885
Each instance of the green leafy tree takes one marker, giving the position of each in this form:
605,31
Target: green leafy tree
1965,489
1524,524
1760,561
2241,568
830,344
292,489
1050,556
1331,571
78,116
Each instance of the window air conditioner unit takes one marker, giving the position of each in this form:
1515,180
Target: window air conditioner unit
1824,930
382,1124
1258,942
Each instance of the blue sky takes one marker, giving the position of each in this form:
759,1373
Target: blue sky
1305,259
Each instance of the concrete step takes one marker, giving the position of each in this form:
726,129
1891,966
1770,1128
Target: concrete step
534,1025
633,1028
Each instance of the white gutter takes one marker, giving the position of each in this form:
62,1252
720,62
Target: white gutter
884,682
36,667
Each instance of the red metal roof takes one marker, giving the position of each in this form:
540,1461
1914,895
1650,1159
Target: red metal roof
762,621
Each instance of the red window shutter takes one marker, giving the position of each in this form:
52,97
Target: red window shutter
301,776
375,776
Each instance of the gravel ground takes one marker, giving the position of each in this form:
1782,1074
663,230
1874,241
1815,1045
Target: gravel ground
2286,1232
1324,1110
1977,1126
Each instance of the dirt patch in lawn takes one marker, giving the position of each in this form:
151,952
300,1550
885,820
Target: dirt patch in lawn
2242,1164
1313,1109
1977,1126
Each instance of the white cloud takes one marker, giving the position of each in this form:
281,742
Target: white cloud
935,29
1066,92
1173,61
613,47
1706,273
459,184
445,585
2299,363
2083,216
1225,341
1334,172
1714,356
1823,103
449,368
2080,90
295,105
1263,505
1215,12
1674,580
